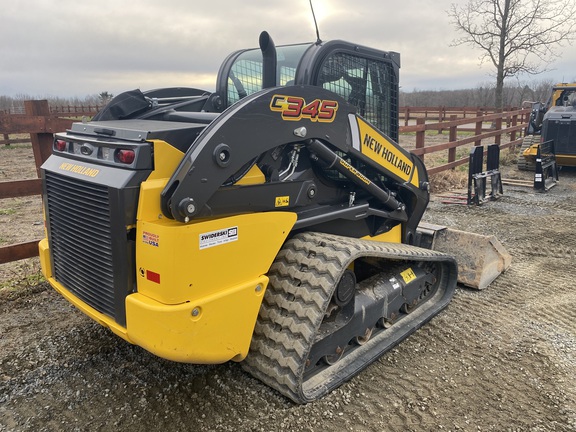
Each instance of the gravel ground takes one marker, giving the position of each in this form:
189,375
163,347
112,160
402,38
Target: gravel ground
501,359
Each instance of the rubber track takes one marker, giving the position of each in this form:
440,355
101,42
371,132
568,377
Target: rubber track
302,281
524,165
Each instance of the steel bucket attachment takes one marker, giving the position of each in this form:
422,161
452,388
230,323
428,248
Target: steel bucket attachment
480,258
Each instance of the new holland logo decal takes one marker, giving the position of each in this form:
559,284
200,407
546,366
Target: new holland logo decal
294,108
79,169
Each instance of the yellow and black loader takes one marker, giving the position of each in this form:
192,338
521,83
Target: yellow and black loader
274,221
554,123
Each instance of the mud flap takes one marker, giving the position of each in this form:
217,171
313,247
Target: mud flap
480,258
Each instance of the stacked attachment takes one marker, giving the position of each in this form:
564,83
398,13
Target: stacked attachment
546,173
477,178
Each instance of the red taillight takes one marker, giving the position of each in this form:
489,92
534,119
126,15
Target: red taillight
125,156
60,145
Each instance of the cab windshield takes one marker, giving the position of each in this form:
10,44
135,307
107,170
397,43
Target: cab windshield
245,76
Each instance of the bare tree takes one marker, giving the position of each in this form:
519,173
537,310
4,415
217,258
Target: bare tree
516,36
105,97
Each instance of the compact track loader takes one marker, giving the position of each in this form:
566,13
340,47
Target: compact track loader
553,122
273,221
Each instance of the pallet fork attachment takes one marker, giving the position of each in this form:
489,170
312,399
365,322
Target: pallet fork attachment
546,173
477,178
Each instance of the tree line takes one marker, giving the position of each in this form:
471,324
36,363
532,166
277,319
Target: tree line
15,104
480,96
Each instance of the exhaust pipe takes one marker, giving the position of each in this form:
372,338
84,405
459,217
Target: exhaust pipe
269,60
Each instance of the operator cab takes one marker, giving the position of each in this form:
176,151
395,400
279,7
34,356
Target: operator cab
365,77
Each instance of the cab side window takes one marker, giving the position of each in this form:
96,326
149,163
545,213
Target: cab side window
365,83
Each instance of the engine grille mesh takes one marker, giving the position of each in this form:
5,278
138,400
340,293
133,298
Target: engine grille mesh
562,132
81,240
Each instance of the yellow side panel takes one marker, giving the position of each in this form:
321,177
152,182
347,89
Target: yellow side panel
166,159
565,160
200,285
214,329
199,259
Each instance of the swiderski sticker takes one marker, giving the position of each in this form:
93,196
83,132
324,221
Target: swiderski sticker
219,237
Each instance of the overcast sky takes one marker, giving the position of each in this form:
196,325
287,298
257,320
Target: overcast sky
74,48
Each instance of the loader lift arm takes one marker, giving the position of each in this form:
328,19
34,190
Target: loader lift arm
230,144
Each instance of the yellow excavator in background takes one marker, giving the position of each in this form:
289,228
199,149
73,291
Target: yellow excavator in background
555,122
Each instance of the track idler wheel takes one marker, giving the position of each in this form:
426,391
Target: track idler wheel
345,289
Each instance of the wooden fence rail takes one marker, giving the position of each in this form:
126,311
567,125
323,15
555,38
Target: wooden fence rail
77,110
443,113
83,110
509,124
41,122
41,125
6,140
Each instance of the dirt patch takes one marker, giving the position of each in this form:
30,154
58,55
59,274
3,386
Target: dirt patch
501,359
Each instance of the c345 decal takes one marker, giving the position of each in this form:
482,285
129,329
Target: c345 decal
294,108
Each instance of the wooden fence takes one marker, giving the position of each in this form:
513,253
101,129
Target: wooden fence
443,113
504,128
21,123
74,110
41,122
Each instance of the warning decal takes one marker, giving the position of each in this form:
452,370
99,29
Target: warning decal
408,275
217,238
282,201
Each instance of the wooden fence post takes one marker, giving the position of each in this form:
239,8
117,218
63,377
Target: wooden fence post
478,129
514,124
420,136
441,118
41,142
452,136
498,123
